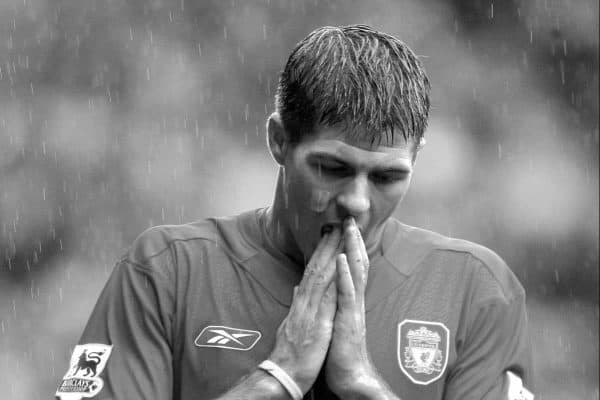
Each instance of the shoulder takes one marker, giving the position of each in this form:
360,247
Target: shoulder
166,244
489,272
157,241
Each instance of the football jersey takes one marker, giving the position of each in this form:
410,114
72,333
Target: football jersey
192,309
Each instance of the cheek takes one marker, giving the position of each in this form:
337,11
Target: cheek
387,201
303,195
308,191
319,199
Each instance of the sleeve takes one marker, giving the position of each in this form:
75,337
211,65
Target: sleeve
125,351
495,357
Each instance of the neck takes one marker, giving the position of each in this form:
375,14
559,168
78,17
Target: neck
278,232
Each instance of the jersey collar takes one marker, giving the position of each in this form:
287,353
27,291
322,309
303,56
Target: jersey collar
401,252
270,267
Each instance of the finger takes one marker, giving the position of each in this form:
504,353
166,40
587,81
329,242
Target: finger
329,299
365,260
339,249
324,279
321,246
345,287
298,305
363,271
320,275
323,254
328,304
353,252
313,273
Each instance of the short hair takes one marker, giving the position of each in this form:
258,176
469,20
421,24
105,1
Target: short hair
368,82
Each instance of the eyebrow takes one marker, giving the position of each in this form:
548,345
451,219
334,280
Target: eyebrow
380,168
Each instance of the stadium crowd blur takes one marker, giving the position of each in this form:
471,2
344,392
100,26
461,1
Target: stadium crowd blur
119,115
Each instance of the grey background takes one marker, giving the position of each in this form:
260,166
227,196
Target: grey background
119,115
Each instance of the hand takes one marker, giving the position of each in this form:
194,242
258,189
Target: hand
304,335
348,363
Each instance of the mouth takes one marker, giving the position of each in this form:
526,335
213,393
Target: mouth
325,229
329,227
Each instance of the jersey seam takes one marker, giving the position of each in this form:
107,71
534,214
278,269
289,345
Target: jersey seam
165,281
145,269
170,243
509,301
484,265
229,253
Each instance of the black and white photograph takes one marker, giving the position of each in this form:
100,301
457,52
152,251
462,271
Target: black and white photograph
299,200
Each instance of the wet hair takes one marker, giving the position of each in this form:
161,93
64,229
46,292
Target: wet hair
366,82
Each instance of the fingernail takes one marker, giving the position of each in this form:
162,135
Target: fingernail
348,222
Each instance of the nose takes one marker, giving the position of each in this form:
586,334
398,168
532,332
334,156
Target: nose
354,198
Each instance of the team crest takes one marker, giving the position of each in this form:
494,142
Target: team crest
82,378
423,350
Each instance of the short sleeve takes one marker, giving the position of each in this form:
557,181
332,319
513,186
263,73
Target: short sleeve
497,342
125,350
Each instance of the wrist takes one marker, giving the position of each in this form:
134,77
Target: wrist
287,382
259,385
365,385
271,387
295,371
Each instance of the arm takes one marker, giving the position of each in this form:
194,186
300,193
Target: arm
349,370
133,319
496,342
368,386
304,335
132,370
125,349
259,385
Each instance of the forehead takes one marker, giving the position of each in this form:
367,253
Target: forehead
357,147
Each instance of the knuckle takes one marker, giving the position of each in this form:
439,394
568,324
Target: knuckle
320,280
309,272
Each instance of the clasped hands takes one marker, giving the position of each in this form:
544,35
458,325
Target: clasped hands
326,322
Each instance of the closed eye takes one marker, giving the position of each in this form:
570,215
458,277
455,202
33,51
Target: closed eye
389,176
337,170
331,167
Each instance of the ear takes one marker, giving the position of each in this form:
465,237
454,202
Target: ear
277,138
418,148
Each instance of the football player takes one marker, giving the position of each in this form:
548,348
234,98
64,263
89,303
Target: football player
322,294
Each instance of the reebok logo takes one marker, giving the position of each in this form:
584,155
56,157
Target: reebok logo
227,338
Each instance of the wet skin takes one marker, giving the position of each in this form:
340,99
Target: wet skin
333,197
330,176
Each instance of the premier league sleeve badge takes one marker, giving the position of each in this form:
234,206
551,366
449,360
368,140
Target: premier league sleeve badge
82,378
423,350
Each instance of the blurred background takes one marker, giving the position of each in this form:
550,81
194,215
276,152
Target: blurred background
119,115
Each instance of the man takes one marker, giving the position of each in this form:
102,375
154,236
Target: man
340,299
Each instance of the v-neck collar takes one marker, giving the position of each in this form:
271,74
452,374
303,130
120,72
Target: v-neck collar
402,249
